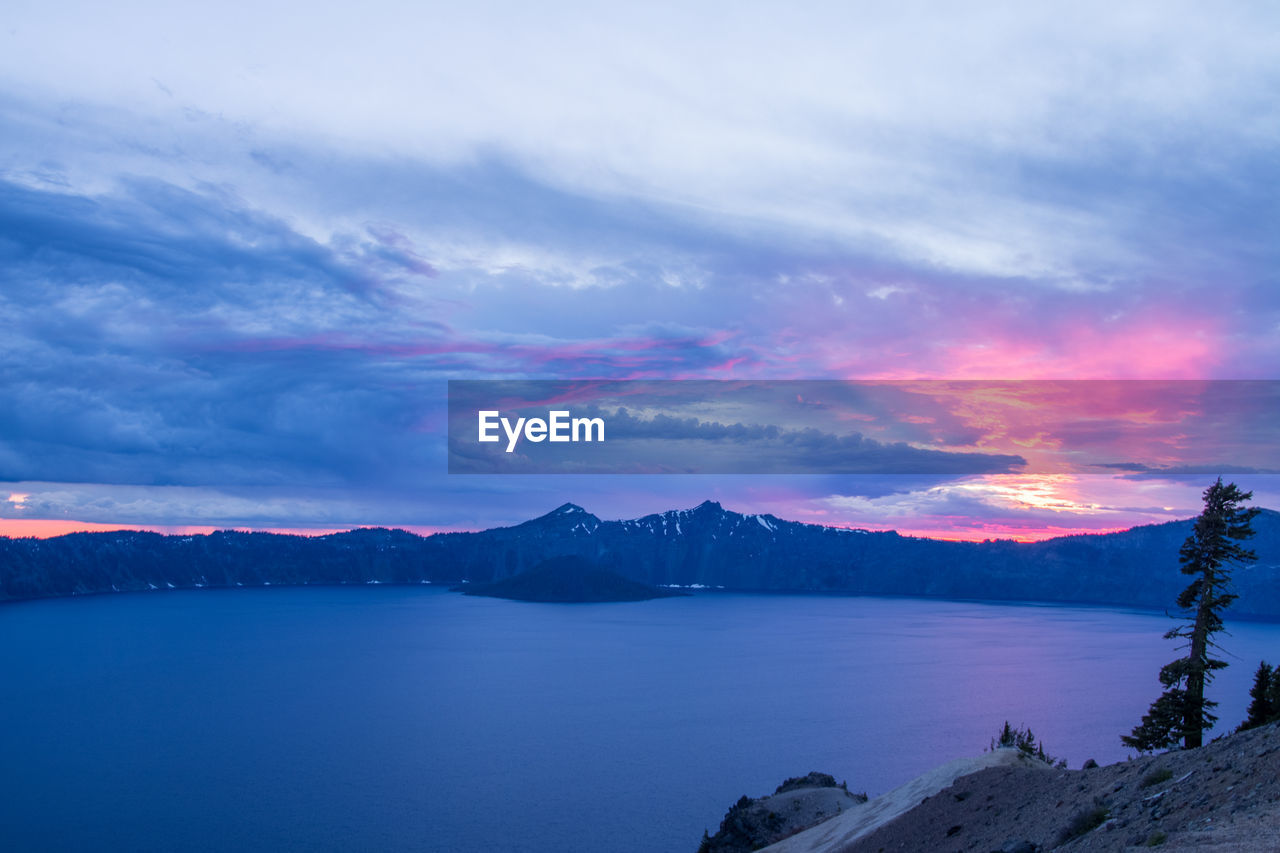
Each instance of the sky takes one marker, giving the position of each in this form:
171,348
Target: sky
244,248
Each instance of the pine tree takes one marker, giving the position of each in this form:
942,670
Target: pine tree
1182,713
1273,695
1261,711
1024,741
1161,726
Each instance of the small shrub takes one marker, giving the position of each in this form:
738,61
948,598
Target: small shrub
1024,741
1083,821
1155,777
1156,839
812,780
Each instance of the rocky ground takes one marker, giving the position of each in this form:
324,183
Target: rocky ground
1223,796
797,804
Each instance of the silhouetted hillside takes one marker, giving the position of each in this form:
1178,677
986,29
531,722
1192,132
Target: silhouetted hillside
706,545
567,579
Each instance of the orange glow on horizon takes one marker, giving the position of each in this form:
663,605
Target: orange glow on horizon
1017,534
47,528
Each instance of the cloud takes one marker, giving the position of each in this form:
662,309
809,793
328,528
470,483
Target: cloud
1004,506
233,260
1193,474
1008,142
665,443
157,335
125,321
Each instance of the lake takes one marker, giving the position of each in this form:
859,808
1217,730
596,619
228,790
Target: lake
404,718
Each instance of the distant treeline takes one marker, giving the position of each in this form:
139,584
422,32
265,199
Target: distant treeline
707,545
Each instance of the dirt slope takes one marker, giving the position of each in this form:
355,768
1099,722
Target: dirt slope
1224,796
859,820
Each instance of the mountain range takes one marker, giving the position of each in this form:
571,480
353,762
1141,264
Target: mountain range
707,546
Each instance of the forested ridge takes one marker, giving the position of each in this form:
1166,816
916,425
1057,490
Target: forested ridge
706,545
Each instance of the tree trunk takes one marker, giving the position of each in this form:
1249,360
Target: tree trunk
1193,719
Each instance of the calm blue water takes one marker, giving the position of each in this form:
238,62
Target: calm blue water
416,719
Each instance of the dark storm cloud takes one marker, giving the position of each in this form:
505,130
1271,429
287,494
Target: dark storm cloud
164,336
1185,473
126,321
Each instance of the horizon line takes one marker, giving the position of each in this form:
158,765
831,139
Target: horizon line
11,528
